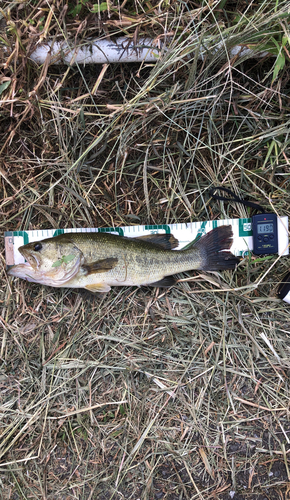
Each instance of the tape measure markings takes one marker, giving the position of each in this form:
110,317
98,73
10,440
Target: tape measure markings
184,232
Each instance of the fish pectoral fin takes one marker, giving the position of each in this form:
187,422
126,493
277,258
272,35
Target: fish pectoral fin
98,287
99,266
166,241
165,282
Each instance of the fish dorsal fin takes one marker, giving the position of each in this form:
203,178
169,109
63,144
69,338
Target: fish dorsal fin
98,287
165,282
166,241
99,266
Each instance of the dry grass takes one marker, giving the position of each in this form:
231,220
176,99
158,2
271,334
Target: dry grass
142,393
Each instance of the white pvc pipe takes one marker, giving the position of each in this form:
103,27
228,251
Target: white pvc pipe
121,50
98,52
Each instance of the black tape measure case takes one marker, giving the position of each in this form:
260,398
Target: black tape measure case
265,234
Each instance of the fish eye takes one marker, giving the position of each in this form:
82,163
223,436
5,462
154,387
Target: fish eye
37,247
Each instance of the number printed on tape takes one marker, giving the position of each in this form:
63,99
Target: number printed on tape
184,232
247,226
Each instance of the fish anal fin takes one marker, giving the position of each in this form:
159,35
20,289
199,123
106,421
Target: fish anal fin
99,266
164,282
166,241
98,287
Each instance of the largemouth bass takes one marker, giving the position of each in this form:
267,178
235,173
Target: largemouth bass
97,261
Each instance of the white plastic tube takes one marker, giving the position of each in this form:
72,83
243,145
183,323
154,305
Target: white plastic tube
121,50
98,52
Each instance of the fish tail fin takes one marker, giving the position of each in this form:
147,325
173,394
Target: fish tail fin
214,248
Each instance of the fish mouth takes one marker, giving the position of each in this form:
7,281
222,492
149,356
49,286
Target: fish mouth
24,271
31,259
35,271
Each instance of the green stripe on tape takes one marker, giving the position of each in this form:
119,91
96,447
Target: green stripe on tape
201,230
24,236
58,232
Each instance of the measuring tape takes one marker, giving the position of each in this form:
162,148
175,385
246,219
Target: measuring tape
185,233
